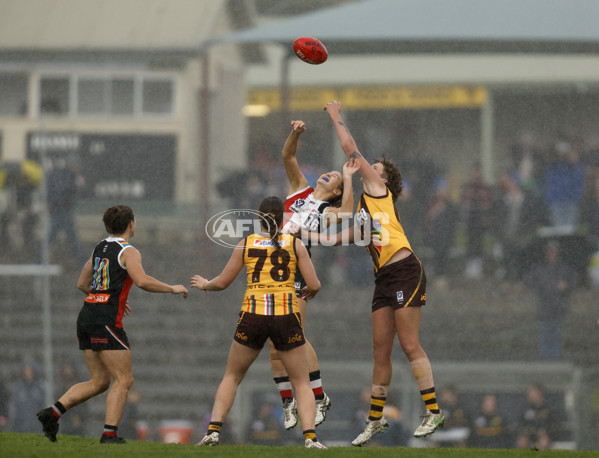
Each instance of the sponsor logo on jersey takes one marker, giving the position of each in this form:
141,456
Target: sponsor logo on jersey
268,243
241,336
98,298
297,205
99,340
399,297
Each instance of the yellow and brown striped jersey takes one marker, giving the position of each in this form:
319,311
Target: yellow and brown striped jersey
379,216
270,275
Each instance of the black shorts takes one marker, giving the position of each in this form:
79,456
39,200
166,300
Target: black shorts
400,284
98,338
285,331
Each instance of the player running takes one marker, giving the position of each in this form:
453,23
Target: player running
107,277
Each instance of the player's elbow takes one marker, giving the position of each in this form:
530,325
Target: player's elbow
86,288
314,285
144,283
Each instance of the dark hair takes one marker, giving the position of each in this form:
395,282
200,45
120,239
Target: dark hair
393,176
272,210
117,218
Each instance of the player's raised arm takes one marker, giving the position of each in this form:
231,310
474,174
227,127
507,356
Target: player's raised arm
297,180
371,179
347,200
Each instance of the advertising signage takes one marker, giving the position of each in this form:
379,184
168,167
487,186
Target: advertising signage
120,166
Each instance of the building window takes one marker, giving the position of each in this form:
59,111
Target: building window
121,97
157,97
134,96
54,95
93,97
13,94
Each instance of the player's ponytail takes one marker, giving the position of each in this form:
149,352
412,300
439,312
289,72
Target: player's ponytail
272,209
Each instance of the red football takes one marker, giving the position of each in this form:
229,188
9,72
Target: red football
310,50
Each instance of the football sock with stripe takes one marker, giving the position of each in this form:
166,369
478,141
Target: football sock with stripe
58,409
310,434
110,430
284,387
214,427
316,384
430,399
377,403
421,368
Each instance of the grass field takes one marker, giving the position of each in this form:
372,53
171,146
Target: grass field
15,445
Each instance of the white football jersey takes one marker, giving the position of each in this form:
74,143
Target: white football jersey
307,213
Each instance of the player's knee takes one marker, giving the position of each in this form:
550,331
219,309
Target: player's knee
101,384
381,353
410,348
128,381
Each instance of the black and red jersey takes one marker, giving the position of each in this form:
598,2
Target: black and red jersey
105,305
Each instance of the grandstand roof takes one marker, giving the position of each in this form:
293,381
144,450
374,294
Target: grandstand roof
92,24
442,26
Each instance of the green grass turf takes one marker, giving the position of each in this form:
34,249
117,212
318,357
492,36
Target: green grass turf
16,445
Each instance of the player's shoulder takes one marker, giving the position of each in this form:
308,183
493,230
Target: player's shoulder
300,194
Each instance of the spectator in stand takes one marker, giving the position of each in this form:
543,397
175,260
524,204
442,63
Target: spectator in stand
63,183
457,426
538,424
552,280
26,397
518,214
266,428
439,228
564,185
526,162
477,212
590,206
490,428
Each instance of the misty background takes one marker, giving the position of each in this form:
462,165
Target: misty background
180,109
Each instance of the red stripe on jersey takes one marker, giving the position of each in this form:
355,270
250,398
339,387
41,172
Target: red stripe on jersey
290,200
123,301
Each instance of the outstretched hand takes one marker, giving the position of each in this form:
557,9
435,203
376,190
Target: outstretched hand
351,167
197,281
299,127
180,289
333,107
308,293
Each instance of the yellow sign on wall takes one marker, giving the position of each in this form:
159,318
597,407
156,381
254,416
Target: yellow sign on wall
374,98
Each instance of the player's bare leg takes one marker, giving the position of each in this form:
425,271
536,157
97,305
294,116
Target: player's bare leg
118,363
383,336
281,377
408,329
296,365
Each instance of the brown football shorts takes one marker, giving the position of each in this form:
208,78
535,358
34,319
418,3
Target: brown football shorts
400,284
285,331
